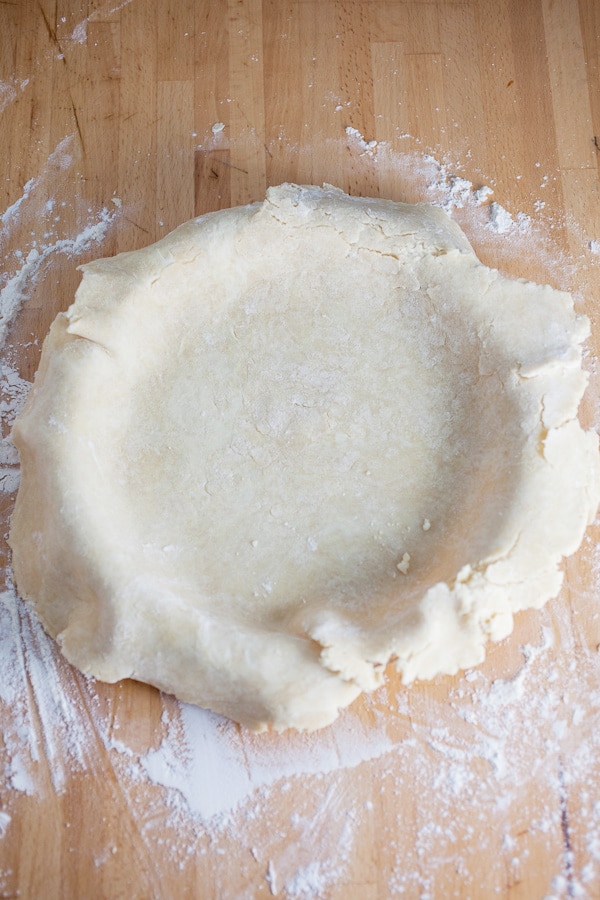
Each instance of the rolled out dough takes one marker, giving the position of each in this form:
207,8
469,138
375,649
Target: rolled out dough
292,442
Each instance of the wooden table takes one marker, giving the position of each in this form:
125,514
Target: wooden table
119,120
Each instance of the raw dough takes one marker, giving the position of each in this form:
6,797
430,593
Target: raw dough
293,441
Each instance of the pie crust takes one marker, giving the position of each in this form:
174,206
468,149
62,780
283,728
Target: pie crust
292,442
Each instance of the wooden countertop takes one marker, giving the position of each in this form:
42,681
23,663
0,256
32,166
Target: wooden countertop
121,119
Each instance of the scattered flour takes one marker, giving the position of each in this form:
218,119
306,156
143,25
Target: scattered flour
482,195
47,727
478,764
214,769
10,90
34,214
79,33
471,756
310,881
8,93
5,820
35,265
13,393
453,191
369,147
59,159
501,220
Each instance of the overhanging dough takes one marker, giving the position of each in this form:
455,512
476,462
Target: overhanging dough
293,441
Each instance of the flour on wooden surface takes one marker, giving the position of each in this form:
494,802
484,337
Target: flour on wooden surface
34,266
39,216
13,393
10,90
103,11
468,756
368,147
501,220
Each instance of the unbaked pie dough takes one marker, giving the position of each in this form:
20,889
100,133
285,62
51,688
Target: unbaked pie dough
292,442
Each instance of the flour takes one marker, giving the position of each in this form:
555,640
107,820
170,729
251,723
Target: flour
8,93
47,726
452,191
59,159
229,768
10,90
501,220
33,213
369,147
4,823
10,213
13,393
79,33
35,265
310,881
485,756
477,750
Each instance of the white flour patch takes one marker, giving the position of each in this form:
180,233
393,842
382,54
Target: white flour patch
37,215
35,265
368,147
11,212
5,821
8,93
47,730
215,768
501,220
452,191
13,393
10,90
525,247
79,33
312,880
60,159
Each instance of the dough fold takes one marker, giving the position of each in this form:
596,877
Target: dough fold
293,442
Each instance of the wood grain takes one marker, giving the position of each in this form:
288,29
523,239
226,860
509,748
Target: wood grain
111,105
